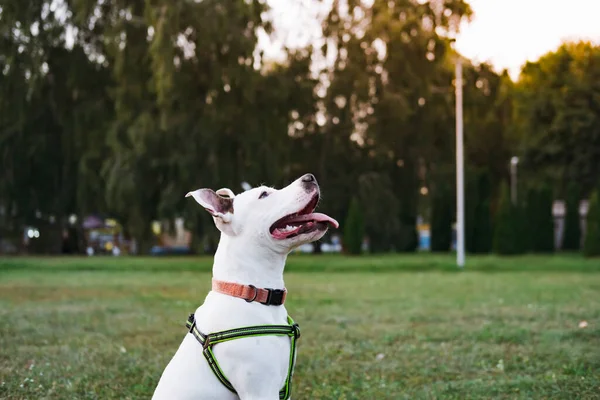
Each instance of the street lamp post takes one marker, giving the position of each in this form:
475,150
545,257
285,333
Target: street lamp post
460,191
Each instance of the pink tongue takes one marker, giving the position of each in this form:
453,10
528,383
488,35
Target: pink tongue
317,217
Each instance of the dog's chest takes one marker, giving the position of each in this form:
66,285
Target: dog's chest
261,357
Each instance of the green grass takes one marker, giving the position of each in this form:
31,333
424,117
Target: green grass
388,327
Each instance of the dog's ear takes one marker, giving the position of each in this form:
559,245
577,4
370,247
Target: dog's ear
219,204
224,192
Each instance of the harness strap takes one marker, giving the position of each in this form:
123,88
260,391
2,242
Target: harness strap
208,341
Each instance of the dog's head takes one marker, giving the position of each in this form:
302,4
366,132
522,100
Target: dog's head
279,219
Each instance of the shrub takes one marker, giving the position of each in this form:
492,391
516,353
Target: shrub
441,218
539,229
591,245
507,238
572,232
354,228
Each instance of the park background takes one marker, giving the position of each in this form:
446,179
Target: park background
112,110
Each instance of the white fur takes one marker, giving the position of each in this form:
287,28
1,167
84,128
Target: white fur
247,254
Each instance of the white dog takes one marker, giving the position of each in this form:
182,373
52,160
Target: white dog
259,227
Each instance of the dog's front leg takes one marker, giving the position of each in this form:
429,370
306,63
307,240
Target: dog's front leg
257,367
257,387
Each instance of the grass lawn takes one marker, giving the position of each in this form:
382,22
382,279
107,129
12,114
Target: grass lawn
388,327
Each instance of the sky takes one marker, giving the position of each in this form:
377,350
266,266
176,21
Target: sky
506,33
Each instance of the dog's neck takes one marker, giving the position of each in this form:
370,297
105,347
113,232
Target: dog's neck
249,265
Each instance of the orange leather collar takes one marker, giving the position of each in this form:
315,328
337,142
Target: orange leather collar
250,293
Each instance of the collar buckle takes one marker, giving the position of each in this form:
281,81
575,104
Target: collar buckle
275,297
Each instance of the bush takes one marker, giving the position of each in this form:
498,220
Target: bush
483,230
354,228
523,231
408,237
441,218
539,228
507,238
572,232
591,245
478,217
382,228
471,203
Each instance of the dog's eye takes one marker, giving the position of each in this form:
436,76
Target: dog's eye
263,195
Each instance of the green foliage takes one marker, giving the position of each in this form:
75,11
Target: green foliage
591,245
557,114
391,104
488,119
153,98
354,228
508,237
442,216
572,225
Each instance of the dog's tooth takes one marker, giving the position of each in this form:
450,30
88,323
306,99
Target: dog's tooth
287,228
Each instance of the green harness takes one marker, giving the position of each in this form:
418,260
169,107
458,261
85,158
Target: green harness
208,341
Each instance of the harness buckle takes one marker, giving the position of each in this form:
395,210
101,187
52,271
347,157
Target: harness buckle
207,343
275,297
296,330
191,322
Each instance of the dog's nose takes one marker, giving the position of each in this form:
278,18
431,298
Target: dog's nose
309,178
309,183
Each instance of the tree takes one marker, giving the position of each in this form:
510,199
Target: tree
148,99
507,238
191,109
591,245
557,103
389,92
354,228
54,112
572,230
488,119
